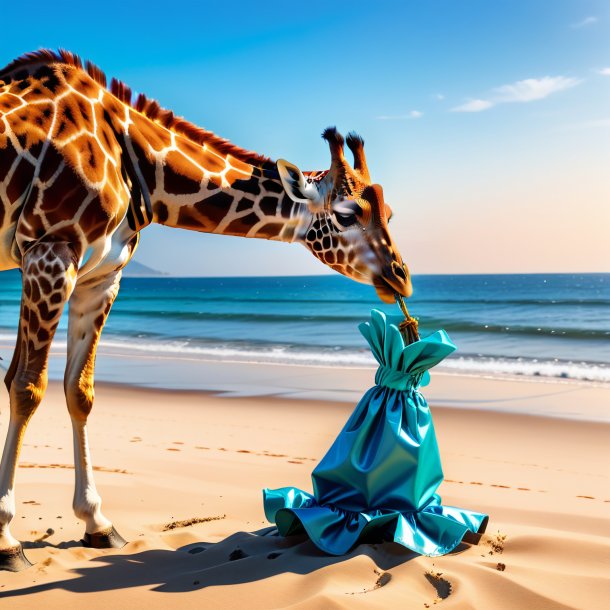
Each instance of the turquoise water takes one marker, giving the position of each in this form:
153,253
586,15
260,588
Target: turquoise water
555,325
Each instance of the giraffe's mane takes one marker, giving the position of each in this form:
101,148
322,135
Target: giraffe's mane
148,107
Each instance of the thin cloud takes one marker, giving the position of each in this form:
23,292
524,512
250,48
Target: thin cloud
412,114
439,97
473,106
586,22
532,89
527,90
604,71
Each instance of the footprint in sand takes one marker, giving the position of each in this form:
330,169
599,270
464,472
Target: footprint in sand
492,485
32,502
172,449
237,554
587,497
71,467
383,578
441,585
188,522
496,542
44,536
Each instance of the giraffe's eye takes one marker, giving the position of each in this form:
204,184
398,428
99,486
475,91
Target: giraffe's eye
345,213
346,220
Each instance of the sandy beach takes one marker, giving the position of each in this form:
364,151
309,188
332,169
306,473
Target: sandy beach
166,458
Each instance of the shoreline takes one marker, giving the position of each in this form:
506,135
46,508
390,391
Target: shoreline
570,399
494,367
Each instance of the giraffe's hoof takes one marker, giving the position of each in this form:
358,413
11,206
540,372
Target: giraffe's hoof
14,560
109,539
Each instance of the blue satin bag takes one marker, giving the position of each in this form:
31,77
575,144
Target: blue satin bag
378,480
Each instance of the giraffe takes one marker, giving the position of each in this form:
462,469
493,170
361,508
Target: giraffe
83,169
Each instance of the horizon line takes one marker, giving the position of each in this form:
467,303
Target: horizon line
315,275
161,274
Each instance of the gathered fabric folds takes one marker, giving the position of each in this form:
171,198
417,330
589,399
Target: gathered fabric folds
378,480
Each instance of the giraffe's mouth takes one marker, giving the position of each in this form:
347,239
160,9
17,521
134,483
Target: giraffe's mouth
386,291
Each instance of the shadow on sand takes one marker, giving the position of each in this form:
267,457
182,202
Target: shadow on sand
241,558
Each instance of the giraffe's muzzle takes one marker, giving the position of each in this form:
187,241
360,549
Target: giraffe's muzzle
394,279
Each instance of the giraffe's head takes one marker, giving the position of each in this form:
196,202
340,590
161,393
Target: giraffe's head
345,220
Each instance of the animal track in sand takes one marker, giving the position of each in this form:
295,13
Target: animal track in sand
281,455
496,542
542,491
172,525
526,464
44,536
237,554
172,449
441,585
32,502
71,467
383,578
265,453
498,486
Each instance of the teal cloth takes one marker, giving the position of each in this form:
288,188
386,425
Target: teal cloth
378,480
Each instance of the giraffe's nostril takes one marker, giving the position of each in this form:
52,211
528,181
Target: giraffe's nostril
399,271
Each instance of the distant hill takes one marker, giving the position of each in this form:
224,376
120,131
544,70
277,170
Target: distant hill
135,269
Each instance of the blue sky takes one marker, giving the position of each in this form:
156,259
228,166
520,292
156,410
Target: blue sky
487,123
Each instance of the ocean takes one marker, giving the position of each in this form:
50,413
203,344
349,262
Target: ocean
535,325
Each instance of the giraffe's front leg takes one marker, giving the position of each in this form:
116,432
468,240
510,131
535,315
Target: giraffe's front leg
49,272
89,308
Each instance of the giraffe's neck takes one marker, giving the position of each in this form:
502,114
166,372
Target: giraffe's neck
190,185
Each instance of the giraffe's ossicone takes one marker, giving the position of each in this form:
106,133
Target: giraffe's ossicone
83,169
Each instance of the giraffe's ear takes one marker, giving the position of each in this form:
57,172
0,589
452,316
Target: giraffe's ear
297,187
